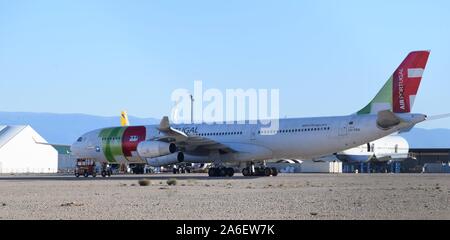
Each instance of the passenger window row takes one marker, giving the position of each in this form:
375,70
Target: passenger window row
219,134
111,138
295,130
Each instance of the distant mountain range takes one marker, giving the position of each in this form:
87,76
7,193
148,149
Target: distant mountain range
428,138
66,128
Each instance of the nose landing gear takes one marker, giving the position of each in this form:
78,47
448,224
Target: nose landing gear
106,170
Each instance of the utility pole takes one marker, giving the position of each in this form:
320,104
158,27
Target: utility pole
192,109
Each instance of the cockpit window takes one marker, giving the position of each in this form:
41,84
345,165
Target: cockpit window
80,139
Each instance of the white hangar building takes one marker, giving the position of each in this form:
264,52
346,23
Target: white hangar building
22,151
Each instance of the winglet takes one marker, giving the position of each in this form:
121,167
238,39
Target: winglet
164,125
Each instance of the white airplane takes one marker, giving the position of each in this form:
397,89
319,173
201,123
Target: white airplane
389,148
302,138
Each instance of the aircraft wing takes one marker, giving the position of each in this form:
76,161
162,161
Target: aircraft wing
327,158
189,143
51,144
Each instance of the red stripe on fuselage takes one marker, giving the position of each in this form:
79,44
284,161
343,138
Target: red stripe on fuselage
131,138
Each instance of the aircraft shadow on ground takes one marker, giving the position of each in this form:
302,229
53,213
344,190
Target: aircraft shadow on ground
119,177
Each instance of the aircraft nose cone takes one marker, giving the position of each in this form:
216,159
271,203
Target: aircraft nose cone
75,148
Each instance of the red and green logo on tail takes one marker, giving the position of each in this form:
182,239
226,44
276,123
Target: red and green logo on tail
400,90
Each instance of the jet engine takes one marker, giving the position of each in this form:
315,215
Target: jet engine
152,149
166,160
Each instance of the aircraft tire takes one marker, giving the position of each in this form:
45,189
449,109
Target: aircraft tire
86,174
103,173
274,172
222,172
211,172
230,172
267,172
246,172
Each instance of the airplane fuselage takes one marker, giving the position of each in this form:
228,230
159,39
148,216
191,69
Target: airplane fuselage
296,138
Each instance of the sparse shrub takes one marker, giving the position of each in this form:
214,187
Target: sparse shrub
171,182
144,182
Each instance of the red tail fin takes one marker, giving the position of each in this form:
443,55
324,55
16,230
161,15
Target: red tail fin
406,81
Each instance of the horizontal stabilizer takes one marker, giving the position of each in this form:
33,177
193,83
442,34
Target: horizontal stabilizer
430,118
437,117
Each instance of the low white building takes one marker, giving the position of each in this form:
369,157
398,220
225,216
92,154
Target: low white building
66,161
23,150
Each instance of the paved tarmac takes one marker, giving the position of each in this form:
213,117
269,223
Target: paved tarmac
196,196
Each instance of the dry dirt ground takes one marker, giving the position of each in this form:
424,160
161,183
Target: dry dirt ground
195,196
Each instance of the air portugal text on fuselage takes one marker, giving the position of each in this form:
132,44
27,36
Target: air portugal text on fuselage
188,130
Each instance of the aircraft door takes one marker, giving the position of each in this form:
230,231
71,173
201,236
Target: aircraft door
253,133
343,128
346,126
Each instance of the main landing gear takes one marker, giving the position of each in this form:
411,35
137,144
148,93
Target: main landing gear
259,171
106,170
221,172
181,168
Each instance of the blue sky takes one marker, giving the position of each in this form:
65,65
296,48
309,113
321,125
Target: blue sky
326,57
